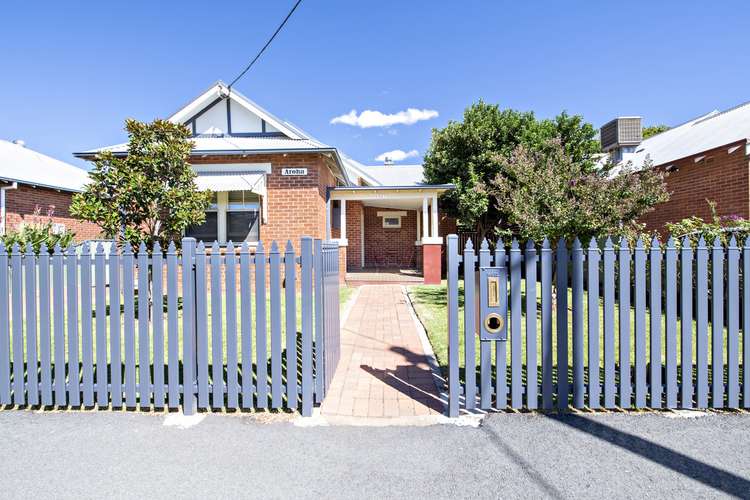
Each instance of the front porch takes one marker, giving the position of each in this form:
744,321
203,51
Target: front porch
388,229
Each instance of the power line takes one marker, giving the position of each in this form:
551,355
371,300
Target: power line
247,68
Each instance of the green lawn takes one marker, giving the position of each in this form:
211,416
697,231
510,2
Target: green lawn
345,294
430,303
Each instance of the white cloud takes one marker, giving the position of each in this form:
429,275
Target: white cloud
369,118
397,155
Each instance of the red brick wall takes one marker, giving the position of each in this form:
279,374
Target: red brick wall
23,203
296,204
721,177
354,234
389,247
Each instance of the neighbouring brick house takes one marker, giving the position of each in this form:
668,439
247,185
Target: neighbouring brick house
273,182
35,188
707,158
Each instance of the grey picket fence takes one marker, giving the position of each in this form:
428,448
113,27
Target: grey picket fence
197,329
602,326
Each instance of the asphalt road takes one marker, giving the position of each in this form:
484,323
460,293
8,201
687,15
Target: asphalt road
128,455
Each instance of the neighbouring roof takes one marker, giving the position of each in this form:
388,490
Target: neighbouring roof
709,131
21,164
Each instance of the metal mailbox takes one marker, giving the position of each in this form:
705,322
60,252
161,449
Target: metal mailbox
493,304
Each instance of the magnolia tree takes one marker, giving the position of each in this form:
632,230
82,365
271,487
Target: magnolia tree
516,175
148,195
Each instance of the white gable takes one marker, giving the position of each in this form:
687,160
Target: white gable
208,114
213,120
243,121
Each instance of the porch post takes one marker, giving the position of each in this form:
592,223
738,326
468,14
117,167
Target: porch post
328,217
419,226
434,230
431,243
343,220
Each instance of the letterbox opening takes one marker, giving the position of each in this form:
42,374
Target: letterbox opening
493,323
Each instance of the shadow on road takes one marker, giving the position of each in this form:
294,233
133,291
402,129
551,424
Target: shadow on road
709,475
526,466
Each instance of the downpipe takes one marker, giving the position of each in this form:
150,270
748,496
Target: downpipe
3,189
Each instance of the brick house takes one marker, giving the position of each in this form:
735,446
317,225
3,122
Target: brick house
706,158
274,182
35,188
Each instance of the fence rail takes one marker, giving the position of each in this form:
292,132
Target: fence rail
603,325
195,329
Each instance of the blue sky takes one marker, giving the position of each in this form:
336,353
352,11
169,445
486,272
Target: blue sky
71,72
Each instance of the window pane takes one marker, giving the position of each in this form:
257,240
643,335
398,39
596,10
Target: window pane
336,214
207,232
242,226
243,199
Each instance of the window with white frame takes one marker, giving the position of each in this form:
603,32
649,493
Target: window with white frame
392,219
232,216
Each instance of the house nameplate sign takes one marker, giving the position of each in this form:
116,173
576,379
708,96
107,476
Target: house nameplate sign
294,171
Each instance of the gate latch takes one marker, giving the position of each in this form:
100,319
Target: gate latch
492,304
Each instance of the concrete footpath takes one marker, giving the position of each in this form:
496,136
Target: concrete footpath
130,455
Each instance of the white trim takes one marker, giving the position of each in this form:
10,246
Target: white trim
342,213
425,219
362,235
419,224
3,189
434,216
264,205
391,213
384,194
328,218
432,240
388,226
221,216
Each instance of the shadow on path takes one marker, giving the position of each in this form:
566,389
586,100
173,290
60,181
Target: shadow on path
709,475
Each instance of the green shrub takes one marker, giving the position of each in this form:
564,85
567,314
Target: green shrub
722,227
35,234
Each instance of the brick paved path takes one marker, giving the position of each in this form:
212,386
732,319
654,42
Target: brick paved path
383,372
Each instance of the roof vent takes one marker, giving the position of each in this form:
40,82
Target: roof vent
387,161
19,142
622,131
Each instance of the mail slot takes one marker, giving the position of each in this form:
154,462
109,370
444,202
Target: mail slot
492,304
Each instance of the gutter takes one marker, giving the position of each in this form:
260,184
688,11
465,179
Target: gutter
3,189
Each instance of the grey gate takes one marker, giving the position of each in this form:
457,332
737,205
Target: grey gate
609,325
327,315
195,327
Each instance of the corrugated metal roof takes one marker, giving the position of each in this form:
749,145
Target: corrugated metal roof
21,164
232,181
706,132
231,144
384,175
